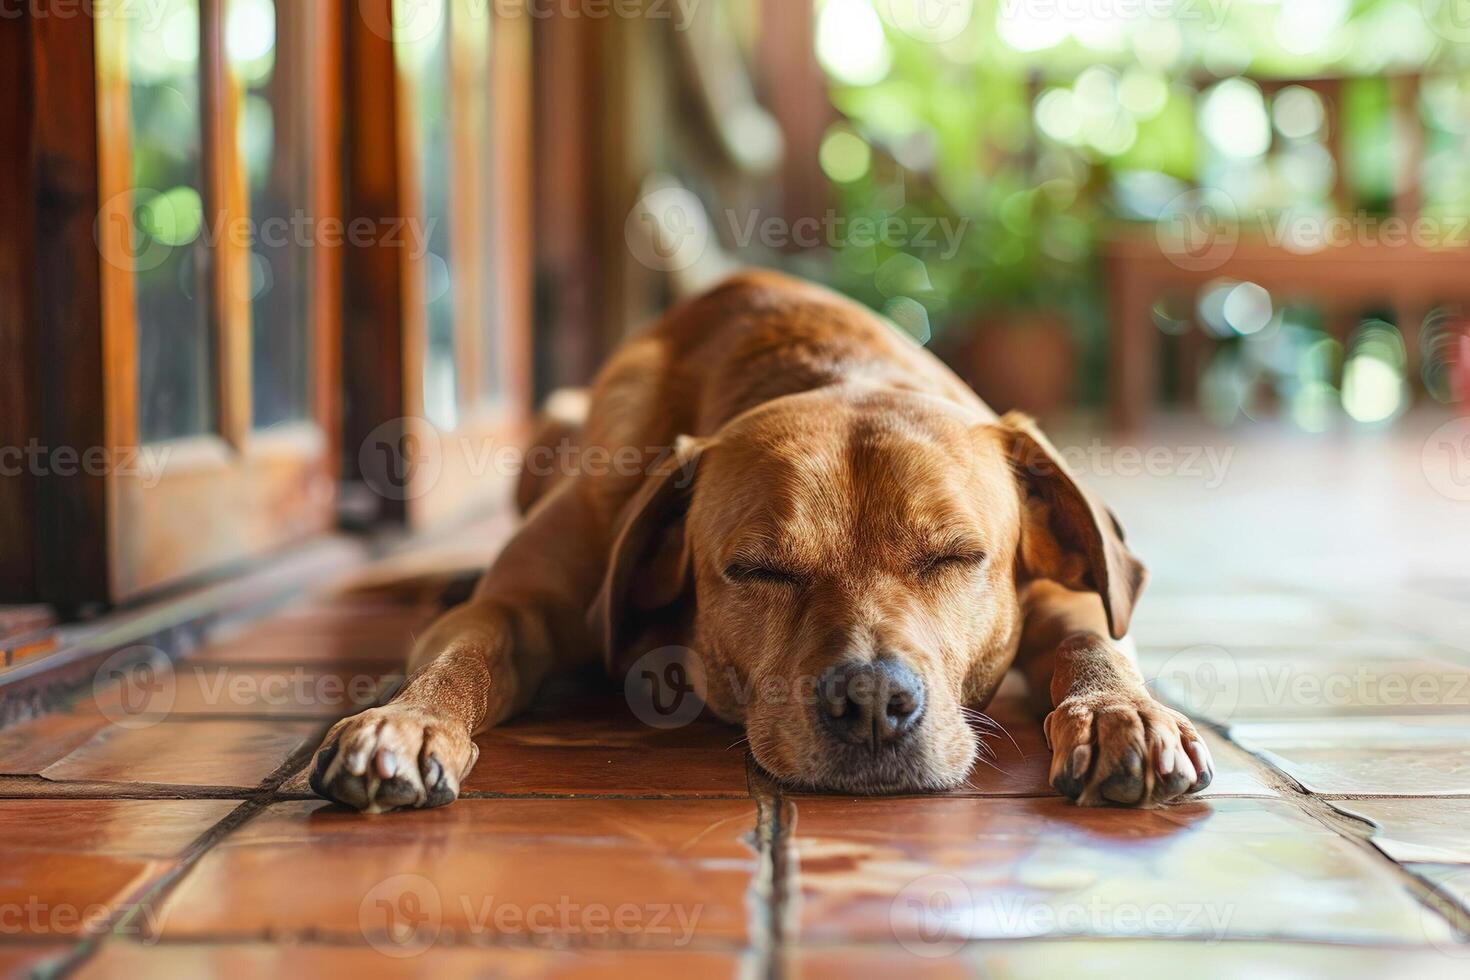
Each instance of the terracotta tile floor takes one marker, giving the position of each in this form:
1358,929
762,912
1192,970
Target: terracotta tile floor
1311,610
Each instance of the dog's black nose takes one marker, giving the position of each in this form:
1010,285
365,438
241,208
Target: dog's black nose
871,703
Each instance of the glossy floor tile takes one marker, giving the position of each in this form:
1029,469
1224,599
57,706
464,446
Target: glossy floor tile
31,746
882,870
1416,829
73,866
588,742
341,636
1403,756
195,688
124,961
186,753
29,960
127,828
662,873
1112,958
1451,880
1228,687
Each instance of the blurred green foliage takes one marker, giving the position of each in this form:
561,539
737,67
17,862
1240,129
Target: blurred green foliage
1025,124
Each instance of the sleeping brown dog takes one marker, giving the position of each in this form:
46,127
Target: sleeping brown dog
849,542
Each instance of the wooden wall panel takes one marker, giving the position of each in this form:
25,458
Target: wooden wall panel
73,563
372,326
17,360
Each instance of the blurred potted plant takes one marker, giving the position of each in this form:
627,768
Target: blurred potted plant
994,286
990,259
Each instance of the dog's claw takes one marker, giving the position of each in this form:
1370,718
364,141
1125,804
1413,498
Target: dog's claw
1125,785
323,760
1199,754
440,792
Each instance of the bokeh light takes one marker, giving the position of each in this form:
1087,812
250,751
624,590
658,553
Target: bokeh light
850,42
844,155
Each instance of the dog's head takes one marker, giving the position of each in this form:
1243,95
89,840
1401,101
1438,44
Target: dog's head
854,560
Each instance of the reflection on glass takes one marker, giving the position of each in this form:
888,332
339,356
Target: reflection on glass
270,60
421,36
175,348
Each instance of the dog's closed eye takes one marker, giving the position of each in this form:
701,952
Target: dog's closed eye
740,572
944,563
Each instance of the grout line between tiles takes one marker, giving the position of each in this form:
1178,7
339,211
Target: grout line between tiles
768,939
24,788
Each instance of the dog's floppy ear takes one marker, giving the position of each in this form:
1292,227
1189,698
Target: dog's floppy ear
1067,534
648,567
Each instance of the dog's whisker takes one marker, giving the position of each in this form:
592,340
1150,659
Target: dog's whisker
1002,729
992,765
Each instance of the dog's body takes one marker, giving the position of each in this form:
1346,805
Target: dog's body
853,546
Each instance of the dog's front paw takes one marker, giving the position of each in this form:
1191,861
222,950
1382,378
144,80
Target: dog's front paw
1125,749
393,757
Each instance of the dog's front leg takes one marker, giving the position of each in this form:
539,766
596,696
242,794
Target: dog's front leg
473,668
416,750
1111,740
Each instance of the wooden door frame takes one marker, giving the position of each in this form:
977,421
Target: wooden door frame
419,474
18,396
109,534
